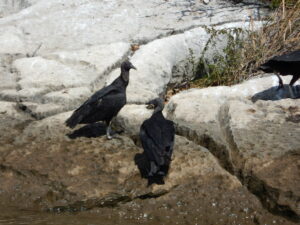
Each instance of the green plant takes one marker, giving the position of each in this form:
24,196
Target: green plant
246,50
222,68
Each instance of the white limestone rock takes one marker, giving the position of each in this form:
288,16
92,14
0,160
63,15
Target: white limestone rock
39,72
69,98
86,23
40,111
131,117
12,41
251,139
102,57
155,61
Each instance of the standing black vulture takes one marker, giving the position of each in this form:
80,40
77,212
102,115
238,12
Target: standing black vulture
105,103
287,64
157,136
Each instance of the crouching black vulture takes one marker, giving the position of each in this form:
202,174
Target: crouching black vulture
157,137
105,103
287,64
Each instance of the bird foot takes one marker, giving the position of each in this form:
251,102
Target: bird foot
279,87
109,137
108,132
291,92
161,173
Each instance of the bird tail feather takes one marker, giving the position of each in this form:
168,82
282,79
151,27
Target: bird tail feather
75,118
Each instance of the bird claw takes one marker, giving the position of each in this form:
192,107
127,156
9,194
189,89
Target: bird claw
109,137
279,87
161,173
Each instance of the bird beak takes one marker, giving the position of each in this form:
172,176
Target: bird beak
133,67
266,69
150,106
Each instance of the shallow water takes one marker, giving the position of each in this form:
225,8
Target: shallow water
12,216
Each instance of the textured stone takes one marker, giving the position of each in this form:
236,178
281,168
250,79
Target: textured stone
39,72
103,22
248,138
12,41
131,117
68,98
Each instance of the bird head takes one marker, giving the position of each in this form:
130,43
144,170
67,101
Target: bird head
127,66
269,66
157,104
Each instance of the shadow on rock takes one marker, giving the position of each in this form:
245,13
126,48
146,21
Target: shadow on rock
144,167
90,130
274,93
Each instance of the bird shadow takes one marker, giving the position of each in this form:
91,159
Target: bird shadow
143,165
89,130
275,94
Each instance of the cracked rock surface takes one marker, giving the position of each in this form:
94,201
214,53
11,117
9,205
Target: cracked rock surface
256,141
49,67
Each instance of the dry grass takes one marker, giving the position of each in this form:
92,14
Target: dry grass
280,34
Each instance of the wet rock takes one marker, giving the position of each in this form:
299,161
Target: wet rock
87,171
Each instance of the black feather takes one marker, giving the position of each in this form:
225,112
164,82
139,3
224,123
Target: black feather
157,136
105,103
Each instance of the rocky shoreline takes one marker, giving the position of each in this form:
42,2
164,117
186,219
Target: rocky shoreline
237,154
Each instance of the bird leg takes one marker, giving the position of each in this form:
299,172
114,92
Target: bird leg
280,82
291,91
294,79
108,130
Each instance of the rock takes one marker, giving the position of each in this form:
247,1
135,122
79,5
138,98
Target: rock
102,57
12,41
40,111
248,138
131,117
49,129
88,173
155,62
12,122
95,22
38,72
95,43
70,172
68,98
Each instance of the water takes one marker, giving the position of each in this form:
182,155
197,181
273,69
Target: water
12,216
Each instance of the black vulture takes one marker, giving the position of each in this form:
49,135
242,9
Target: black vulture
157,136
287,64
105,103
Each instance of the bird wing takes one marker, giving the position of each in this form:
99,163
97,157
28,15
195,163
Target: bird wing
169,135
88,106
158,138
97,96
290,57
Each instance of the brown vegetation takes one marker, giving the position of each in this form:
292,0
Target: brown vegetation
279,35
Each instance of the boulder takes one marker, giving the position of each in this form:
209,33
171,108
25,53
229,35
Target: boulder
101,22
249,138
40,72
12,121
